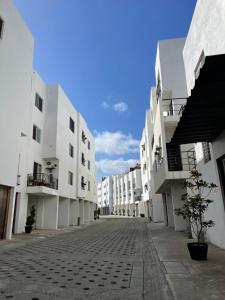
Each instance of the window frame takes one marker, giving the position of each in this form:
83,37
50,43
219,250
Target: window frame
72,125
37,134
38,102
70,178
206,152
2,23
71,150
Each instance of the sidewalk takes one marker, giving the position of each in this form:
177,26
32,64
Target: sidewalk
189,279
40,234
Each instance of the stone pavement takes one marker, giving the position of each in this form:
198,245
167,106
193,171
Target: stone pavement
112,259
189,279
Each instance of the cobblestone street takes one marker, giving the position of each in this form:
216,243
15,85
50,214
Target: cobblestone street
114,259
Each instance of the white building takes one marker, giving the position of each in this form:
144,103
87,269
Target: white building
47,153
202,120
105,195
170,164
127,190
151,202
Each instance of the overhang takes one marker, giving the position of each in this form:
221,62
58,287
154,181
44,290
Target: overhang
203,118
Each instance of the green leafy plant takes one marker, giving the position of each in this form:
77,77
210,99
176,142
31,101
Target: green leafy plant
196,203
31,218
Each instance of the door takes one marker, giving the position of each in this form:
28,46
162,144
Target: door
37,171
221,169
4,207
14,214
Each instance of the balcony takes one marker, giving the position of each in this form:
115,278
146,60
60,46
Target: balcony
180,160
42,184
173,106
42,179
176,167
202,119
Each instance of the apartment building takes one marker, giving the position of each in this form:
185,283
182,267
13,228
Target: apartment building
47,155
152,205
127,190
202,120
170,163
105,195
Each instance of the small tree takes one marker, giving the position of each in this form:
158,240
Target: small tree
196,203
31,218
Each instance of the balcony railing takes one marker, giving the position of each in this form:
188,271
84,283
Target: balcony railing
173,107
181,160
42,179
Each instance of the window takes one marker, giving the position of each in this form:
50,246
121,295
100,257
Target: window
158,88
70,178
89,165
89,186
72,125
89,145
83,184
84,137
38,102
206,152
36,134
1,27
83,159
153,141
71,150
37,168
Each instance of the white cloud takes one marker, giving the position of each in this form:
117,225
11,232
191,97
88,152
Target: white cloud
105,105
114,167
116,143
119,107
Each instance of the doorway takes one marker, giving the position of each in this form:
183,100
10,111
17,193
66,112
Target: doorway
4,208
221,169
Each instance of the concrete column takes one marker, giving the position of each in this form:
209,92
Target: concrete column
64,212
91,217
86,212
40,213
51,207
10,214
81,211
21,213
177,190
74,211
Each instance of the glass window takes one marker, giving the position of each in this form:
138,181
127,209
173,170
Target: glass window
70,178
38,102
1,27
36,134
71,152
206,152
72,125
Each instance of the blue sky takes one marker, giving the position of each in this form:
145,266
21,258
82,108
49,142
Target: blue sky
102,52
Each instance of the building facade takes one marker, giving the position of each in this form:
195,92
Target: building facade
186,121
47,156
105,195
152,204
202,121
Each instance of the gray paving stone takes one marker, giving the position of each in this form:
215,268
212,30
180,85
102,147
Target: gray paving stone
113,260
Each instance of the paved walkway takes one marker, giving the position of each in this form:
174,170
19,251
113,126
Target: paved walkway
189,279
111,259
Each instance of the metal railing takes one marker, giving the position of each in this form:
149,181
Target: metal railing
184,161
42,179
174,106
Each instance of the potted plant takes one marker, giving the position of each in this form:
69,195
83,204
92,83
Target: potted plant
196,203
123,211
30,220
